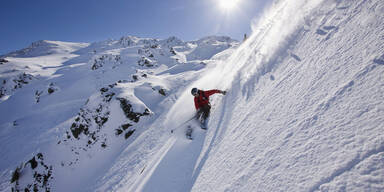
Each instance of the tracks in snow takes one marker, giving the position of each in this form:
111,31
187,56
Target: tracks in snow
173,168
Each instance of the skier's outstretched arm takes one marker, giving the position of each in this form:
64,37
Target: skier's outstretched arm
213,91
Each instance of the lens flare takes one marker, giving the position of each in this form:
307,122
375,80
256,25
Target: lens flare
227,5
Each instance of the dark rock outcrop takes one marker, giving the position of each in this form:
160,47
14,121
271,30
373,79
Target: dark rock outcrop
40,172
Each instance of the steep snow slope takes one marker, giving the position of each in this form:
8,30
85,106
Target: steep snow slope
306,105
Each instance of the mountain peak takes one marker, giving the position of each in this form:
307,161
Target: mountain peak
212,38
46,47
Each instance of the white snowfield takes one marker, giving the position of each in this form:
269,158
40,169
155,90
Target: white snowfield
304,109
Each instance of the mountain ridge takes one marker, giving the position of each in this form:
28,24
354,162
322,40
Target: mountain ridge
51,80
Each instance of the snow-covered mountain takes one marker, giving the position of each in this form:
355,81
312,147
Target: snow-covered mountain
71,108
304,109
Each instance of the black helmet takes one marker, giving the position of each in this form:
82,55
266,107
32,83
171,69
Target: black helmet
194,91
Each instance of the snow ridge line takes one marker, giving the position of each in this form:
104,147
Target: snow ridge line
348,166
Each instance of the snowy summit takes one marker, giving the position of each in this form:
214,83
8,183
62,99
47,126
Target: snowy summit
302,108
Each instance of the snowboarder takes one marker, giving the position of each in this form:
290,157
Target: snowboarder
202,104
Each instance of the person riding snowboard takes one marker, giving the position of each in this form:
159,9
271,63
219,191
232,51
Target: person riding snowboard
202,104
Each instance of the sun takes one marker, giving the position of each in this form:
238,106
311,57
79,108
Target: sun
227,5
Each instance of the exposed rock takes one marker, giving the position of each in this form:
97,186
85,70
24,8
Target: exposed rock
16,174
125,126
37,177
128,41
172,50
52,88
12,84
88,117
119,131
145,62
128,111
2,61
37,95
135,78
129,133
22,79
162,92
105,59
33,163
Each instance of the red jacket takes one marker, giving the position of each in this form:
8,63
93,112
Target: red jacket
203,98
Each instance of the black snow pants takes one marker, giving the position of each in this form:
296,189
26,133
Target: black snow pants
203,112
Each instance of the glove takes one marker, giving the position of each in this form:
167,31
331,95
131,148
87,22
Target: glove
223,92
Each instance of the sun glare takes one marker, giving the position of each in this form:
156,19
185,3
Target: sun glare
227,5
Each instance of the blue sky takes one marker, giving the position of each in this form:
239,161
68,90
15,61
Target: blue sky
26,21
